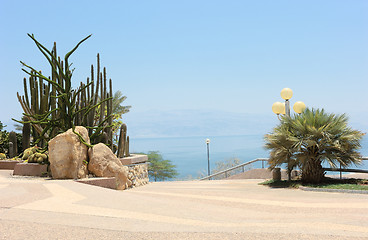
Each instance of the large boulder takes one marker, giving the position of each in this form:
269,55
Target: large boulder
68,155
104,163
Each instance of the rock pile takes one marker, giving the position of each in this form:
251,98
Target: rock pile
70,158
104,163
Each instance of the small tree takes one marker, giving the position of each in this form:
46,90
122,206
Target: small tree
4,140
160,169
312,138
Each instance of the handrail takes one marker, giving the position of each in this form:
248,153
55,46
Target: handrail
345,170
263,159
340,169
233,168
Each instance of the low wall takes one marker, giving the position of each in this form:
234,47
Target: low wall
8,164
138,174
138,169
30,169
134,159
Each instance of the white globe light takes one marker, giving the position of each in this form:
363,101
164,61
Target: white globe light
299,107
208,141
278,108
286,93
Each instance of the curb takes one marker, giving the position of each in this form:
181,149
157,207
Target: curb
105,182
332,190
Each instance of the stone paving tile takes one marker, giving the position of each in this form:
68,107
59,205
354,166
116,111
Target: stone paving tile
231,209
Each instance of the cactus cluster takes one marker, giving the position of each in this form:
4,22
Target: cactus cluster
53,106
31,155
101,116
2,156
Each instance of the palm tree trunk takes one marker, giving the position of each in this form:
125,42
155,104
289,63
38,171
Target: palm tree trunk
289,168
289,173
312,171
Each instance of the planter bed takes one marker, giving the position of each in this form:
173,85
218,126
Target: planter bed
9,164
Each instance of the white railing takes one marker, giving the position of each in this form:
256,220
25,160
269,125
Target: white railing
266,159
235,167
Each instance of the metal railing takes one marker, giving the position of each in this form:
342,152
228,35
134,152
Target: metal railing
266,159
341,170
234,168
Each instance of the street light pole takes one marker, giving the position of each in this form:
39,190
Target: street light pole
287,107
286,94
280,108
208,155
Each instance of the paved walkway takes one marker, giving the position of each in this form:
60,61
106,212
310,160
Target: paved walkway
32,208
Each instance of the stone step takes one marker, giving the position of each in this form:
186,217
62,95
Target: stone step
106,182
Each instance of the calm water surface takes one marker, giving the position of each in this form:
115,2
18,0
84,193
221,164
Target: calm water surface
189,154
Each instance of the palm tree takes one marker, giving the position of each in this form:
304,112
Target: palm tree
118,109
282,149
117,101
312,138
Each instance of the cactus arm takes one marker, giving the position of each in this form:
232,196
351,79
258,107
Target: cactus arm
41,95
80,90
95,106
88,89
102,107
36,106
29,112
25,90
99,128
40,76
44,51
81,138
75,48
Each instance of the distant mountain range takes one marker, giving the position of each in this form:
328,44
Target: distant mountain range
182,123
190,123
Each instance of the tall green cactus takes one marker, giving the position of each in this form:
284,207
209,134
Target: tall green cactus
56,107
13,148
123,145
26,134
127,154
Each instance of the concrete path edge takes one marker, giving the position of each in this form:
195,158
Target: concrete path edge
332,190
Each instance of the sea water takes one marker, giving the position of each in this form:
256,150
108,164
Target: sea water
189,154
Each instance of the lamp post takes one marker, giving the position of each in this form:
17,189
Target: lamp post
284,108
208,155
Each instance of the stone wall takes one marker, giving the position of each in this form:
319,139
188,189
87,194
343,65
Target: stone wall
138,174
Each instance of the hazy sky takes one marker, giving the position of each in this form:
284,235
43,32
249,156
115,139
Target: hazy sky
199,58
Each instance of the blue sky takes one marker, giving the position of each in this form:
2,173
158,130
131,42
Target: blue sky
209,67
